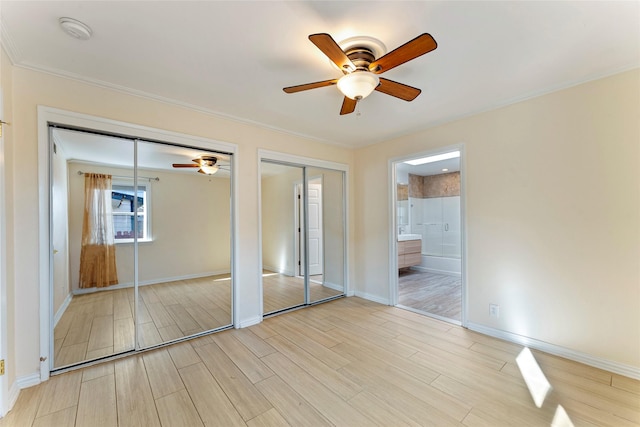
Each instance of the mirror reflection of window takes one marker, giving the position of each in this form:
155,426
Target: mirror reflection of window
122,205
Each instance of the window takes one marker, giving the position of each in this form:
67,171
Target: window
123,203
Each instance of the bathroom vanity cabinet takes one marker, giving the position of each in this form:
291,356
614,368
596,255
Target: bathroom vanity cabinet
409,253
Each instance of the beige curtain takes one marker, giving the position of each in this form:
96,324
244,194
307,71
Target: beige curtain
98,253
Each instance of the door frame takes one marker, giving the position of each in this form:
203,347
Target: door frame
47,115
393,224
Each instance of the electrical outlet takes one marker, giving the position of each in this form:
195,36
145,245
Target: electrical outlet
494,310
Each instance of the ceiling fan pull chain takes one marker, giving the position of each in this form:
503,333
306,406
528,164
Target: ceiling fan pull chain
358,113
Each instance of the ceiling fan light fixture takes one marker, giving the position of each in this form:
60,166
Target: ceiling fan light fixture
75,28
208,170
358,85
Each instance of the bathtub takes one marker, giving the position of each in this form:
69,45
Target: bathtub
441,265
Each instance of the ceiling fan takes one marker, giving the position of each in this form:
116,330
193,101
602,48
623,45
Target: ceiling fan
361,61
207,165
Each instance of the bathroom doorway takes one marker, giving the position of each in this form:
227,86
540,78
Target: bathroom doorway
429,235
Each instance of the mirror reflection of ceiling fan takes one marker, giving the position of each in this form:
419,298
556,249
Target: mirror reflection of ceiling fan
207,165
361,59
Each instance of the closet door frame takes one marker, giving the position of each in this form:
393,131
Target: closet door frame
285,158
49,115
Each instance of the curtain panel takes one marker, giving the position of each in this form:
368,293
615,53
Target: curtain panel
98,252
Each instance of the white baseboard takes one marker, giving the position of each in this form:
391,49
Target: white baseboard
333,286
587,359
373,298
279,270
14,392
30,380
149,282
62,308
24,381
249,322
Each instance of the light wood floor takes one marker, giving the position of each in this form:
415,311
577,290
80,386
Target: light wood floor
437,294
101,323
281,292
349,362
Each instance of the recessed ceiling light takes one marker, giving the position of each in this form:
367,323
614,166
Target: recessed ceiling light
436,158
445,170
75,28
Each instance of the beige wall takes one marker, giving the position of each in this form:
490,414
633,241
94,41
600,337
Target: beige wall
552,215
278,220
33,88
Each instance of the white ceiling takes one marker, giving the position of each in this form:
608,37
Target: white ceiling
234,58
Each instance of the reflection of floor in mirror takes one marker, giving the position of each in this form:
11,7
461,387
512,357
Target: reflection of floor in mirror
101,323
432,293
281,291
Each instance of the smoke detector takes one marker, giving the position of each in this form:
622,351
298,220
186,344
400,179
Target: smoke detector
75,28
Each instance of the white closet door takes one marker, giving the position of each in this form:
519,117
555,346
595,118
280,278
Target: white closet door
432,219
315,229
451,227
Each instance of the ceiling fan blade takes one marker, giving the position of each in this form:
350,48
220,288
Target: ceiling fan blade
422,44
181,165
348,106
300,88
329,47
399,90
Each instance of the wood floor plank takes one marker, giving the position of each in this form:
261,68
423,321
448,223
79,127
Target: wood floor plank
262,330
92,372
123,335
329,377
25,408
244,359
177,410
212,404
374,371
271,418
136,406
358,350
412,406
326,355
183,354
518,410
241,391
101,334
61,392
257,345
162,373
380,411
295,409
62,418
103,390
625,383
314,392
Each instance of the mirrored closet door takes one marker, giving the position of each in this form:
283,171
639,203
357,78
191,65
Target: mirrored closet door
141,244
303,235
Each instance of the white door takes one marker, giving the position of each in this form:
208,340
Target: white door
314,210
